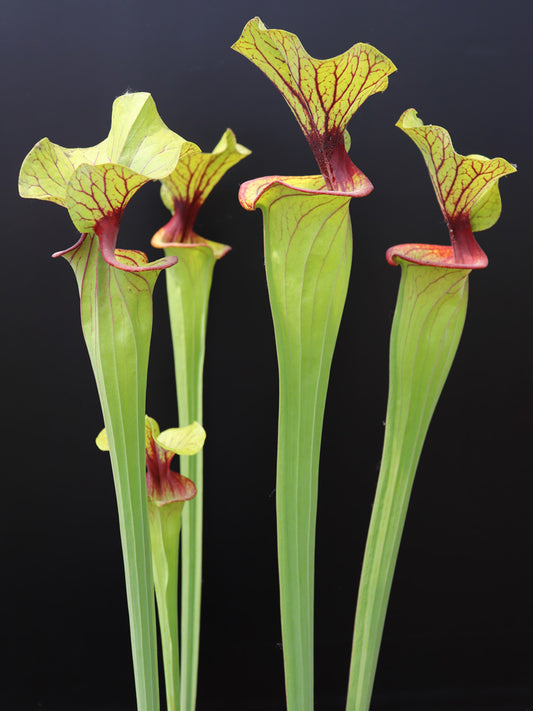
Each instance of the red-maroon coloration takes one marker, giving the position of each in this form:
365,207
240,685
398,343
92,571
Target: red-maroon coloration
62,252
106,230
466,250
180,228
107,239
163,484
466,187
338,170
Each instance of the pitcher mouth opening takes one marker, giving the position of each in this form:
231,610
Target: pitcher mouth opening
432,255
252,190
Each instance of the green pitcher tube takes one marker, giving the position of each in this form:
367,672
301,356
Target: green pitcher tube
308,253
427,326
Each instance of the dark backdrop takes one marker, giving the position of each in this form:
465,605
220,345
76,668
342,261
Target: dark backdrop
460,621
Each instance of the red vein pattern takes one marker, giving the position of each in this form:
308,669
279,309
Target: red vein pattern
322,94
466,186
96,183
186,189
163,484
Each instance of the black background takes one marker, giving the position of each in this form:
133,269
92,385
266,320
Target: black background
460,623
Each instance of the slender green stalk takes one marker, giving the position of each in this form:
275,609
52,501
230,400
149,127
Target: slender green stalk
308,258
308,248
95,185
165,522
116,314
427,326
166,493
188,287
